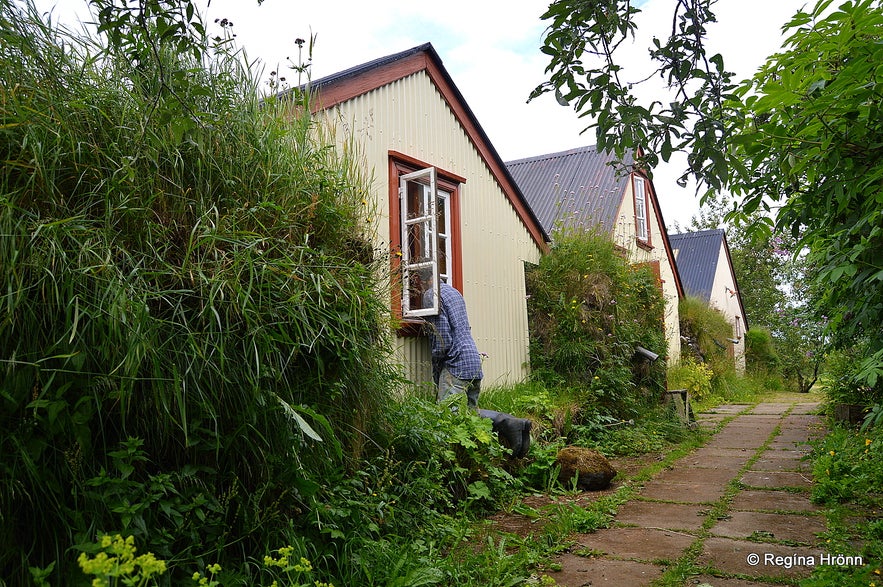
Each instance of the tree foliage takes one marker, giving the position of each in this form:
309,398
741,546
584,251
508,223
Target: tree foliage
801,140
810,136
583,42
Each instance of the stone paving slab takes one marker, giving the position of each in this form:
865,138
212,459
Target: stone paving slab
795,435
771,408
671,516
780,460
693,475
802,448
731,464
776,479
753,418
709,423
732,556
580,571
646,544
683,492
728,409
808,408
737,440
766,526
708,454
771,500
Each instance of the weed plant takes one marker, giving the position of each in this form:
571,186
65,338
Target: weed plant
847,480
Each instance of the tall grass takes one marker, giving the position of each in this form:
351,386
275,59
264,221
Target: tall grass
189,301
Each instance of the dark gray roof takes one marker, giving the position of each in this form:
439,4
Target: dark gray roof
696,255
579,187
374,64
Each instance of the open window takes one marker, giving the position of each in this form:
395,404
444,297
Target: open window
425,231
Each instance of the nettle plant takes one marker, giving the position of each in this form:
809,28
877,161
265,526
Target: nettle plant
588,311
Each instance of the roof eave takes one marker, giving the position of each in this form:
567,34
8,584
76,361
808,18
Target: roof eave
356,81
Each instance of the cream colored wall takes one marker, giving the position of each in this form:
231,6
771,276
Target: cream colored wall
729,305
624,236
411,117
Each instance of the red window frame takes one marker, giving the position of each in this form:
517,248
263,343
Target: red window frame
399,165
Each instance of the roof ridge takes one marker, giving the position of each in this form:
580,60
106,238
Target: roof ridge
695,233
555,155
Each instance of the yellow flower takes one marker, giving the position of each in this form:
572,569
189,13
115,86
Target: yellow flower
867,441
833,453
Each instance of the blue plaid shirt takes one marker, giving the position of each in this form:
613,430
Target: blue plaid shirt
450,337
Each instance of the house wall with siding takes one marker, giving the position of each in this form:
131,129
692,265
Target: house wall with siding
411,116
721,299
624,235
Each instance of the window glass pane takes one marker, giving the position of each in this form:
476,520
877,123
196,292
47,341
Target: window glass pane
419,250
417,198
443,258
420,291
441,212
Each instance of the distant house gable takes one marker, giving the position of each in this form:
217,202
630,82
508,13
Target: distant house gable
697,255
361,79
706,268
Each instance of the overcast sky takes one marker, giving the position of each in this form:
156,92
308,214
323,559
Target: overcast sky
491,50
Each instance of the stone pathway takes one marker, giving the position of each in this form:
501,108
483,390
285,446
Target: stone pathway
738,508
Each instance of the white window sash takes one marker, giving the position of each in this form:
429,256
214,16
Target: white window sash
425,219
640,209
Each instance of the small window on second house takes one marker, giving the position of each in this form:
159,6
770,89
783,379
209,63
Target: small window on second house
641,231
425,241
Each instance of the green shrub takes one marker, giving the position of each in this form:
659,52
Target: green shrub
588,310
706,329
693,376
842,383
760,351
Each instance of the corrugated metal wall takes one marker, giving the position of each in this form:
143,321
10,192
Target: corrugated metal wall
410,116
728,304
624,236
